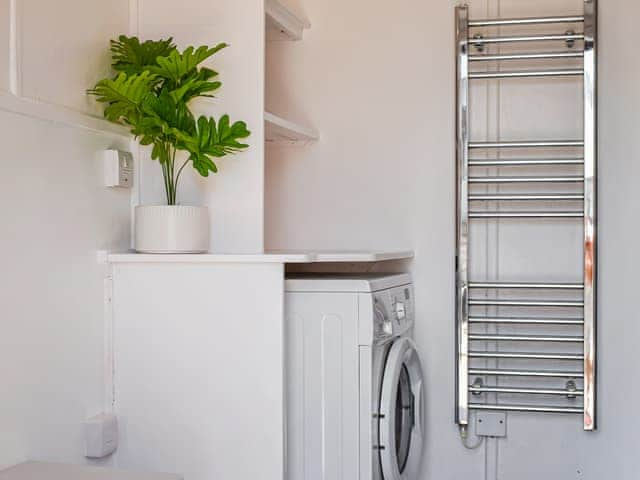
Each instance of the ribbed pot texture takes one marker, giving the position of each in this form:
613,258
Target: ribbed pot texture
171,229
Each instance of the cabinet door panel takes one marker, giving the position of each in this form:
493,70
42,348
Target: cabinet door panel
64,47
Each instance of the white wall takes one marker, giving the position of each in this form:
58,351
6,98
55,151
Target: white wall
56,214
4,45
235,195
377,80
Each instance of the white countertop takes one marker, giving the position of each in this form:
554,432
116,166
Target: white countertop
331,256
267,257
58,471
131,257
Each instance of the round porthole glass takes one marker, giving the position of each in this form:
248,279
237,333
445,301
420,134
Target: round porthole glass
404,418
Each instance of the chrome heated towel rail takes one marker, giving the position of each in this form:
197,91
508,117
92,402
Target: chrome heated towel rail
485,386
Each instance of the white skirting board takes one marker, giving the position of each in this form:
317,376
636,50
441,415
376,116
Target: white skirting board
59,471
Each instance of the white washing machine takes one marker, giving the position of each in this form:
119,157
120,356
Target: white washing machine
354,379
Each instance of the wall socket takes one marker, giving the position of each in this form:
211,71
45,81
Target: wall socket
118,168
491,424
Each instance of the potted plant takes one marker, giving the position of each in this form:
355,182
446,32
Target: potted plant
150,94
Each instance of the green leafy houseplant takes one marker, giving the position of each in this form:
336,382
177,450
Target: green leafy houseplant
151,93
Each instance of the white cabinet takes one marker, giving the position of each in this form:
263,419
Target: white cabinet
197,366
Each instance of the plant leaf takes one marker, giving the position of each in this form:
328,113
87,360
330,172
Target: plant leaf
164,112
194,87
212,140
124,95
177,67
131,56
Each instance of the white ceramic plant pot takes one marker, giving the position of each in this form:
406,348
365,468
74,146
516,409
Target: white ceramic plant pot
171,229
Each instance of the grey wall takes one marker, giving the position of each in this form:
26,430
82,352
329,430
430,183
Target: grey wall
377,79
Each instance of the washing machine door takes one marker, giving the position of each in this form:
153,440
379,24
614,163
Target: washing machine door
401,427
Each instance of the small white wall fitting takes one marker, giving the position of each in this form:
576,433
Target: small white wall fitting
100,435
118,168
491,424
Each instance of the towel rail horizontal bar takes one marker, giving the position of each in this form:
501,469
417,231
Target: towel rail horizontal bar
526,391
524,373
525,56
524,338
525,303
528,144
544,286
561,179
527,320
532,356
497,162
526,74
494,22
527,38
526,214
526,197
525,408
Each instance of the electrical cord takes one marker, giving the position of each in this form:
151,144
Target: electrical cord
464,435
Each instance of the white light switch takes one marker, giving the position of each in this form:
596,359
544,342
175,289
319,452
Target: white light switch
118,168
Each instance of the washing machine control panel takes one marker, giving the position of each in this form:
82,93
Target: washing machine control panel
394,311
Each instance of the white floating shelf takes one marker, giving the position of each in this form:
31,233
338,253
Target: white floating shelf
59,115
282,23
278,129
